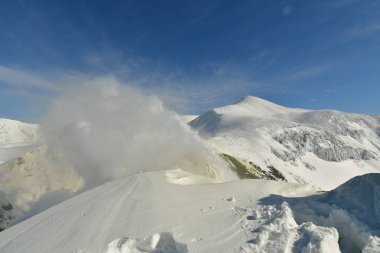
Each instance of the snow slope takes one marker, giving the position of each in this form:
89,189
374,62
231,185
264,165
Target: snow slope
147,213
16,138
13,131
323,148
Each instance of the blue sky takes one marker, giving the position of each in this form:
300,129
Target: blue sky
309,54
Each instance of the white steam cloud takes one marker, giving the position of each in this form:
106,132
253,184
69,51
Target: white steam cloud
106,131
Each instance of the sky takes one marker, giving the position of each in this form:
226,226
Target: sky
195,54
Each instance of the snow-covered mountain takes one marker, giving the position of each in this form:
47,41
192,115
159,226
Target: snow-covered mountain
323,148
13,131
178,210
16,138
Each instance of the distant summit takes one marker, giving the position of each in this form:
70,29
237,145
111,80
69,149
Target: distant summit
13,131
256,101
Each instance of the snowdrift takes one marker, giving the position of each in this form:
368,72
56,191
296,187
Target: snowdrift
352,209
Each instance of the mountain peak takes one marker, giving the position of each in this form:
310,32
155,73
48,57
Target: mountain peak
252,100
262,107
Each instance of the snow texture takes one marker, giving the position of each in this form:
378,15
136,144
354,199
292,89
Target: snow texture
157,243
352,209
273,229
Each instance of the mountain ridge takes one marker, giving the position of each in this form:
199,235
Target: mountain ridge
302,144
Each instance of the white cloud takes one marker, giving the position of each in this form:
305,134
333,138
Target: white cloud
24,79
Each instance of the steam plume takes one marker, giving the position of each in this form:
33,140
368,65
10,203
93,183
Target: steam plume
107,130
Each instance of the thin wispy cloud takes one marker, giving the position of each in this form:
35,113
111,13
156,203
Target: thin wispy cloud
23,79
202,92
362,31
347,21
311,72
